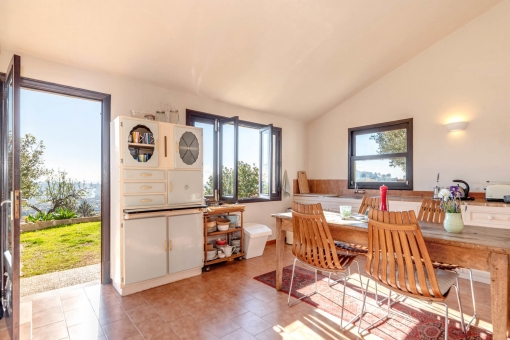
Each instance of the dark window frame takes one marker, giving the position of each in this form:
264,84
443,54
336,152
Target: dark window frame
387,126
105,99
193,116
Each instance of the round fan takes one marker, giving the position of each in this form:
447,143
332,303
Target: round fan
189,148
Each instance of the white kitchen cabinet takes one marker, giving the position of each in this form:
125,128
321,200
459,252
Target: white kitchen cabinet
185,242
185,187
188,147
486,216
145,254
166,145
132,150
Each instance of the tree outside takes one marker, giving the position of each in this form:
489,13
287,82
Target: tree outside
51,194
393,141
248,176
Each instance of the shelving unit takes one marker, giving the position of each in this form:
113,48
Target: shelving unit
223,210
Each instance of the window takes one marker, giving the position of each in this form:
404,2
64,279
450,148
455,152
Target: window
382,154
248,154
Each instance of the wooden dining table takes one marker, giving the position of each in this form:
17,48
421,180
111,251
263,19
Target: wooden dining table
481,248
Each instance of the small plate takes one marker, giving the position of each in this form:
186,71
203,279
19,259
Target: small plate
361,218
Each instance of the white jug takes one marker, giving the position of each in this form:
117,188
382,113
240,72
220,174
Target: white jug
228,250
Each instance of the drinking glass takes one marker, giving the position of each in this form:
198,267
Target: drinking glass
345,211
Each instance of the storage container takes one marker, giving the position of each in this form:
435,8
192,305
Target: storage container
255,238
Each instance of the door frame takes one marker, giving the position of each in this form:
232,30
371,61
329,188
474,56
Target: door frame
105,99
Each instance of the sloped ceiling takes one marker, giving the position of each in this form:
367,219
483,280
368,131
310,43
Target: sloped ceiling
297,59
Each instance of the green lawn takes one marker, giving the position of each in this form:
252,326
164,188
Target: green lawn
60,248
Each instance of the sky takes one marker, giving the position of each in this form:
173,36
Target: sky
367,146
70,129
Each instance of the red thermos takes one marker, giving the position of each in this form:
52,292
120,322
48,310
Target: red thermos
384,190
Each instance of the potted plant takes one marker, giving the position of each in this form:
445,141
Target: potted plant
451,206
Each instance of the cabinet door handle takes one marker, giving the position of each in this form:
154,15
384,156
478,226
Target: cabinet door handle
170,187
165,246
146,200
165,146
171,245
176,147
490,217
146,187
145,174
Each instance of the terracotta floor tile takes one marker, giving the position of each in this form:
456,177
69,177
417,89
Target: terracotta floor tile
111,314
25,331
201,311
160,300
131,301
75,302
103,301
156,328
171,312
142,312
283,321
25,312
220,326
251,323
66,294
185,327
240,334
121,329
39,305
85,331
264,295
53,331
47,317
78,316
273,333
259,308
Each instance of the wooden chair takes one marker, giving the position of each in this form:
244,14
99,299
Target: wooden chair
430,211
314,247
398,259
368,202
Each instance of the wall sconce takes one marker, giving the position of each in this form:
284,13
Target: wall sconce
457,126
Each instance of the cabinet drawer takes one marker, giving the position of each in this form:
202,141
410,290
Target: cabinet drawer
143,174
143,200
487,216
144,187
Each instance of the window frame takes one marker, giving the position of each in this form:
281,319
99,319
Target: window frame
381,127
193,116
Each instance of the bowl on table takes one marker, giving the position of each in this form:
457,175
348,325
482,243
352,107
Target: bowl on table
233,220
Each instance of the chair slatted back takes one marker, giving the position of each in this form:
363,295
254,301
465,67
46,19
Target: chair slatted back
312,240
368,202
395,243
430,211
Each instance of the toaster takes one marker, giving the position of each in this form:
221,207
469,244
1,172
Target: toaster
495,192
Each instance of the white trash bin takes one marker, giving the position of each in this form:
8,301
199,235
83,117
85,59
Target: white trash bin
255,238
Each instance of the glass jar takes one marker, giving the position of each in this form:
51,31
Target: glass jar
160,116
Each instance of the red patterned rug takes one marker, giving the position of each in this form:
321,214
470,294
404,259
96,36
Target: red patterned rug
406,322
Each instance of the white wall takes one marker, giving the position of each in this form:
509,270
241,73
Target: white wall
128,94
464,76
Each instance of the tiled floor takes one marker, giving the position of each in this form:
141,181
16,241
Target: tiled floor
225,303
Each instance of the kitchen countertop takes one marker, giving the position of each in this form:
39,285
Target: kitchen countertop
481,203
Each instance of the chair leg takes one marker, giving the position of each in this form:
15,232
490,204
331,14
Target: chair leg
468,325
446,322
356,317
363,306
457,288
290,288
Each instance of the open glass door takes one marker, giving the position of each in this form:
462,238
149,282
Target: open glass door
266,162
228,131
10,197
